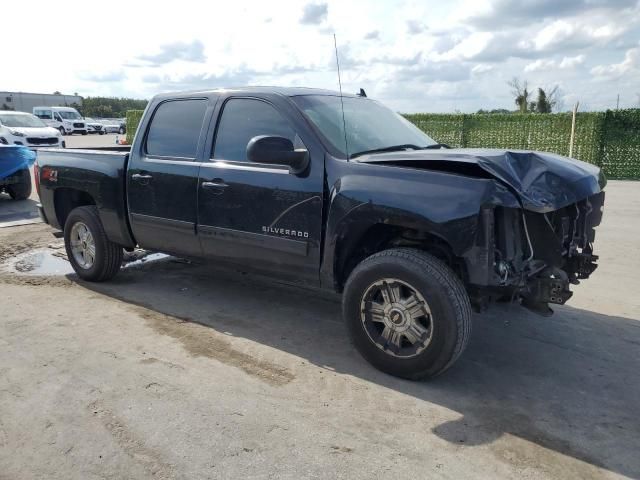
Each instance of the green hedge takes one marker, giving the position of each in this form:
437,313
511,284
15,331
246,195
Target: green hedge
133,119
608,139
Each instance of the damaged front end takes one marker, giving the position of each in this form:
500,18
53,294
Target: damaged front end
530,243
535,256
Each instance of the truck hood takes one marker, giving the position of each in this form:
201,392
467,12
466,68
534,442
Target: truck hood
543,181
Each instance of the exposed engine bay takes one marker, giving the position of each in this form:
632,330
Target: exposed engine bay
538,255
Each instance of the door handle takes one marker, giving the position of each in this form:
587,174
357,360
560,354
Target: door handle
217,185
138,176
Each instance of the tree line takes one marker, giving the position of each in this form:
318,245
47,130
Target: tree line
109,107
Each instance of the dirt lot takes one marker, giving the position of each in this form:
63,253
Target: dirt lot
179,370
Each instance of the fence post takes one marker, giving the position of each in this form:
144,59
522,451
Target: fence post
573,129
463,131
602,140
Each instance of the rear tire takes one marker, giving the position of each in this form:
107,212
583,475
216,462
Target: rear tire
122,131
22,189
106,260
407,312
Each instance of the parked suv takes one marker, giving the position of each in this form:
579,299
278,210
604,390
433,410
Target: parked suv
66,120
93,126
19,128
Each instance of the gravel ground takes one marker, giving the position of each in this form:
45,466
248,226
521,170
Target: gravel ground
179,370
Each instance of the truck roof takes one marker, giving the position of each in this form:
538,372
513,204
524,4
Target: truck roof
284,91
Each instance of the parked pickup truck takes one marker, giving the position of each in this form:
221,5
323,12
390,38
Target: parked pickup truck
339,193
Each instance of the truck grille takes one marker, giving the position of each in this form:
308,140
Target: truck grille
42,141
78,125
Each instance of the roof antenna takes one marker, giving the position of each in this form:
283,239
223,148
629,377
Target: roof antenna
344,123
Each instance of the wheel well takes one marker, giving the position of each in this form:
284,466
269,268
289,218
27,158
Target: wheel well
66,199
382,237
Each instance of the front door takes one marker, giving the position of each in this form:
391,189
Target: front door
260,217
162,180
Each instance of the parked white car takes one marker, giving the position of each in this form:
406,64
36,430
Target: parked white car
19,128
66,120
114,126
93,126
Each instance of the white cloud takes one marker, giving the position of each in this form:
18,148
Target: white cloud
542,65
467,49
572,62
631,62
481,68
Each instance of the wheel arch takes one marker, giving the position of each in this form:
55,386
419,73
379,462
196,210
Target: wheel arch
66,199
369,239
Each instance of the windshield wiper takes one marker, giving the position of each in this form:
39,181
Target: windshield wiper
436,145
392,148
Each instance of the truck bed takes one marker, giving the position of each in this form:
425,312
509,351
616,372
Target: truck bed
98,173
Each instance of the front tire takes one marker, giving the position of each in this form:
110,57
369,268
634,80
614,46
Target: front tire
407,312
22,189
91,254
121,131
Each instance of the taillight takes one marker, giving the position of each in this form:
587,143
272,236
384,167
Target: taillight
36,174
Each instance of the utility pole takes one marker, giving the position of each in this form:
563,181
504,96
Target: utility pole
618,102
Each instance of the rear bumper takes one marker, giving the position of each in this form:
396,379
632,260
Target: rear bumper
41,214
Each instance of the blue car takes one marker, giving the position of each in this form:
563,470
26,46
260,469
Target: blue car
15,178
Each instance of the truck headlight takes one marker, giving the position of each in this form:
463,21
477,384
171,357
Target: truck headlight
15,133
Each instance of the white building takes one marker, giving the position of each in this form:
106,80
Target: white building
24,102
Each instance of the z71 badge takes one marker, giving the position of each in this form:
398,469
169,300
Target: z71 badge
285,231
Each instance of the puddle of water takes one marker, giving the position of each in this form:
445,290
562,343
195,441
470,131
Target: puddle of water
40,262
48,262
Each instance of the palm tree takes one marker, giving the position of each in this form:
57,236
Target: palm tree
521,92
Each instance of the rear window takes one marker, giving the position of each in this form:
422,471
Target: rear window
175,128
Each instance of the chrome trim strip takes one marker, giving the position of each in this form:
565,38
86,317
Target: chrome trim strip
246,167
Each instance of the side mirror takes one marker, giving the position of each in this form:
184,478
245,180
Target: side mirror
277,151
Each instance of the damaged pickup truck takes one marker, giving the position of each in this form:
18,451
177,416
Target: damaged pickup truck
336,192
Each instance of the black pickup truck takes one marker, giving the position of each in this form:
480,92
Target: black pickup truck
336,192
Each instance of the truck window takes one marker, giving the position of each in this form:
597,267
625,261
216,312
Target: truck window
242,119
175,128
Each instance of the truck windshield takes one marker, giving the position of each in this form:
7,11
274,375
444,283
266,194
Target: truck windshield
17,121
370,125
70,115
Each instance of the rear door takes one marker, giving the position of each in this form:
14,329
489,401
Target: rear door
257,216
162,179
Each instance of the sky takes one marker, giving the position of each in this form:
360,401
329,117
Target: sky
414,56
